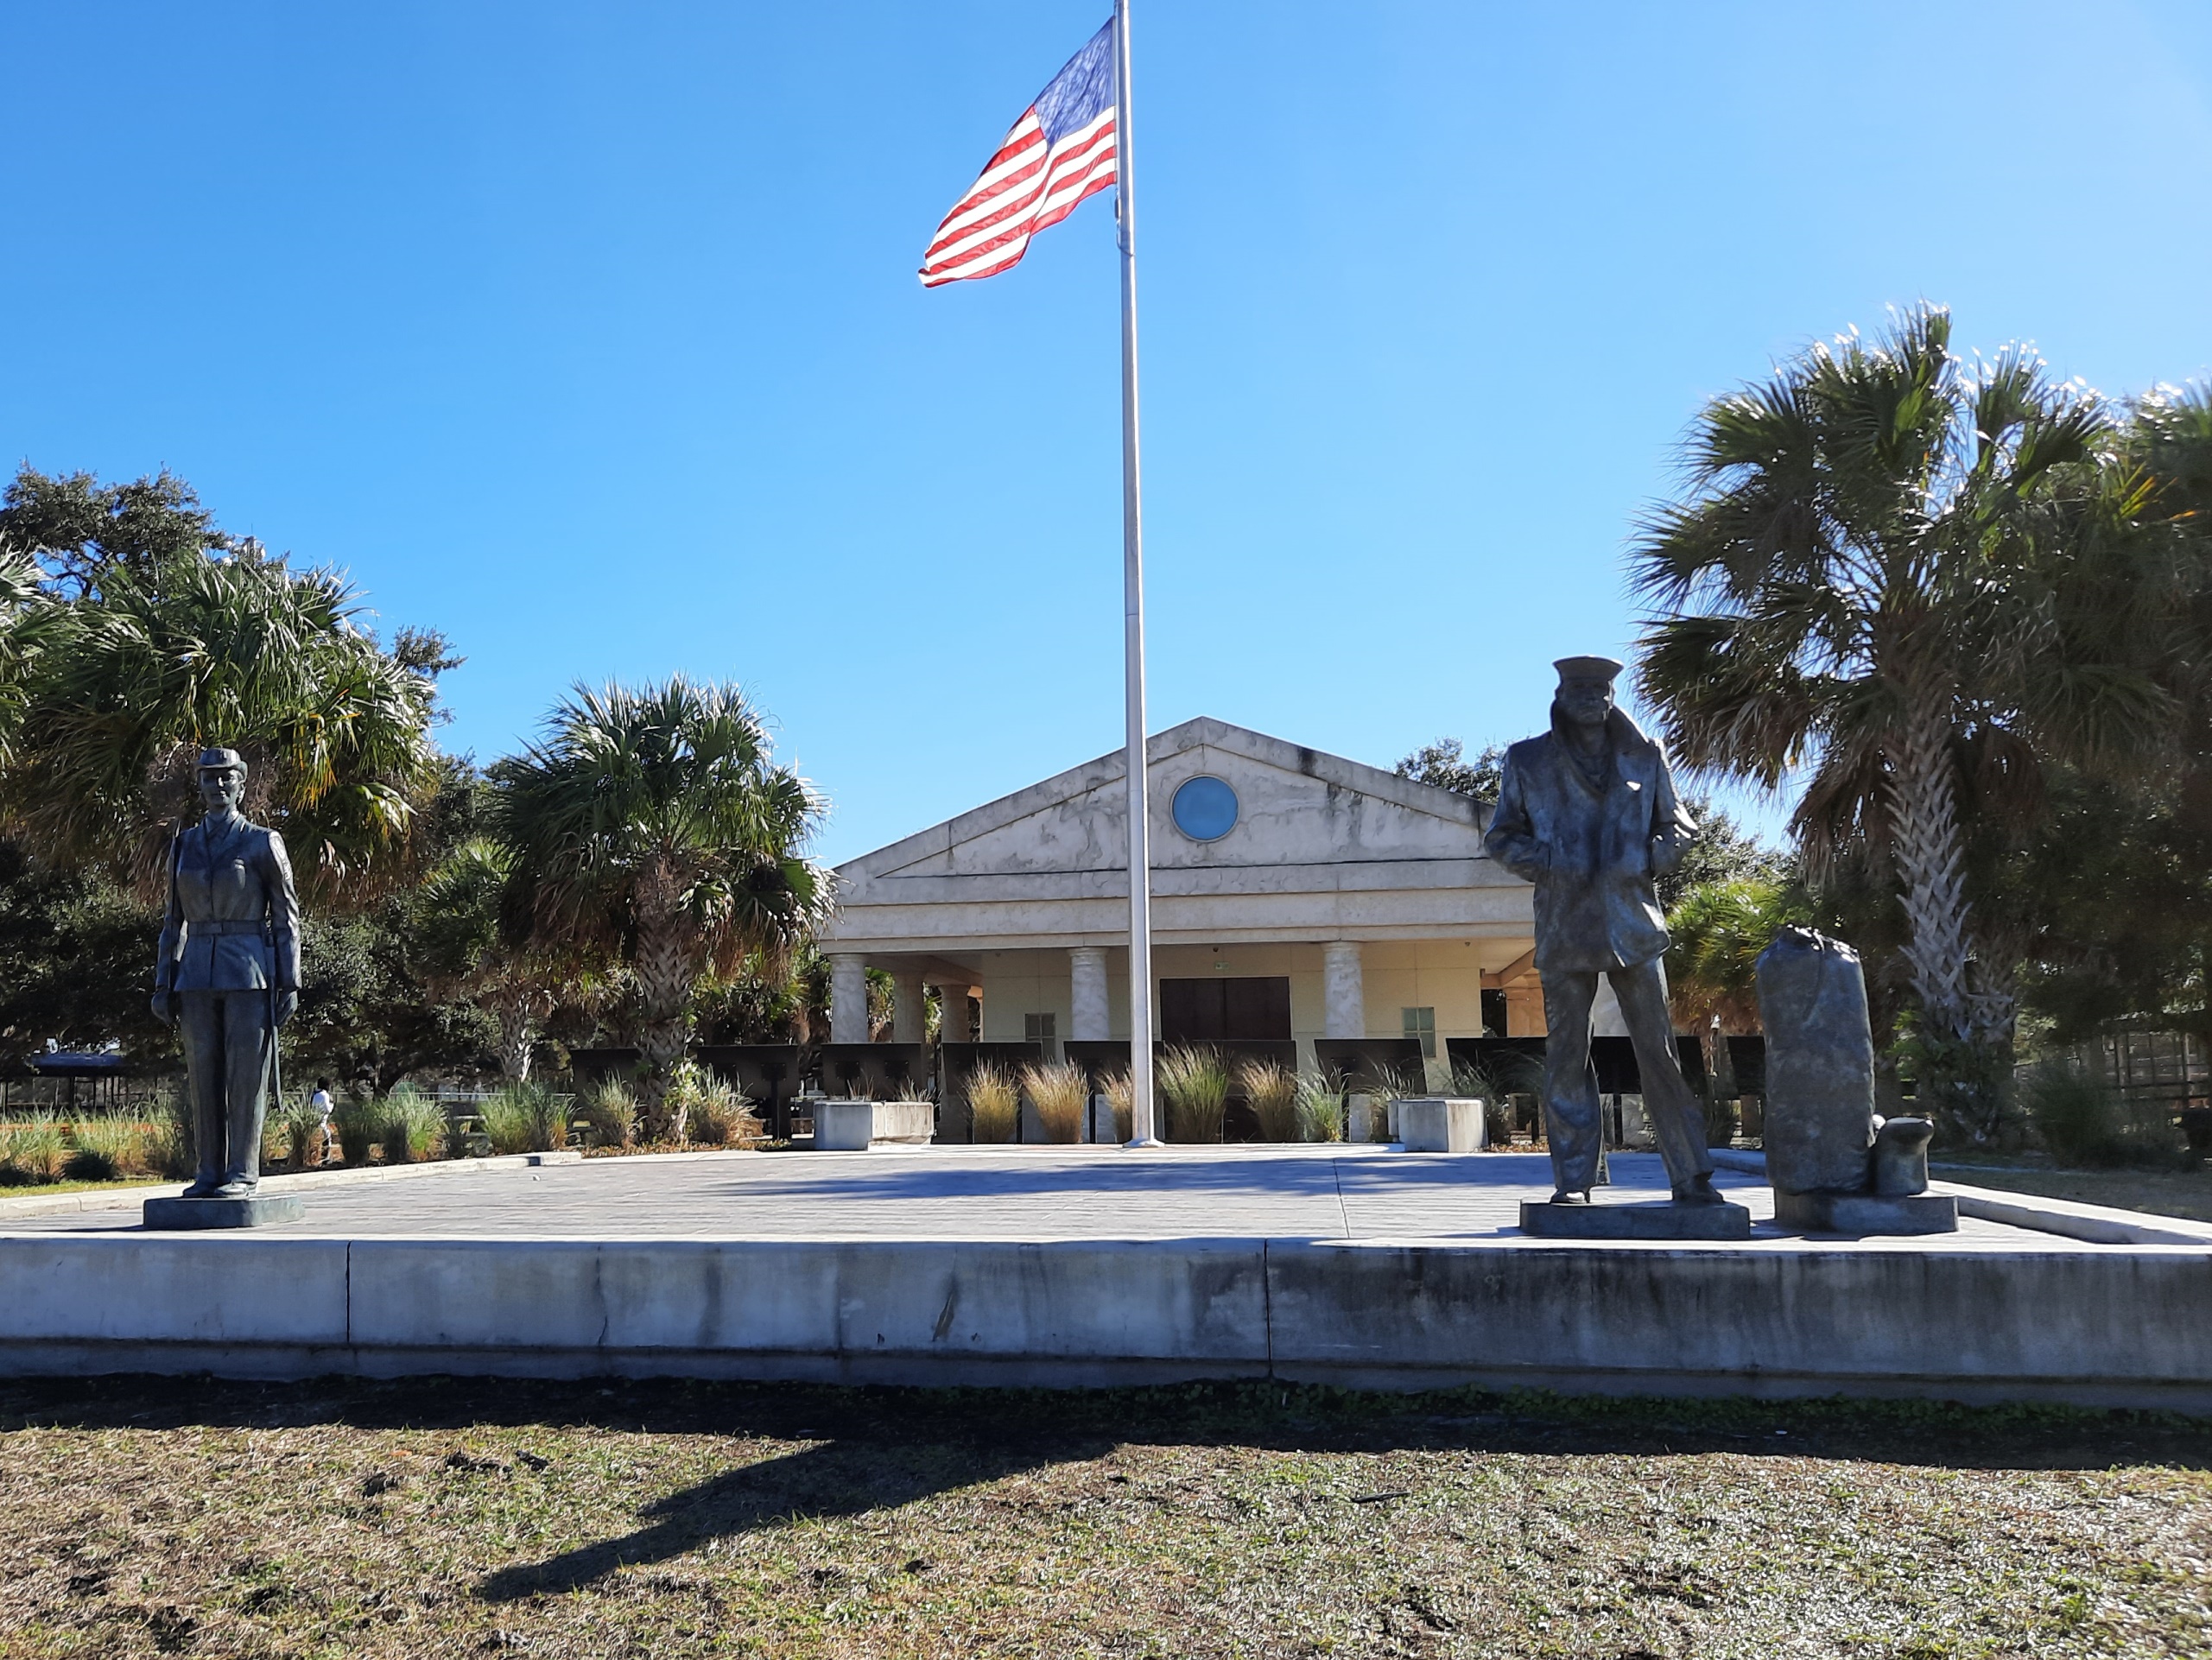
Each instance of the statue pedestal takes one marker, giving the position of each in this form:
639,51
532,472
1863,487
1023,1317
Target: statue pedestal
1666,1221
260,1210
1867,1213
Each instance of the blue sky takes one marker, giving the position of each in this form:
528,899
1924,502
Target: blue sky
590,334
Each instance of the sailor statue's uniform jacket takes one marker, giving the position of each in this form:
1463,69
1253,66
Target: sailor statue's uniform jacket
1592,847
233,919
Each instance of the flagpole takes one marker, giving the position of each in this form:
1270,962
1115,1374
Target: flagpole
1132,590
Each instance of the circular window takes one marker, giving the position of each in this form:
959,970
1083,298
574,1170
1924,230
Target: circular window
1204,808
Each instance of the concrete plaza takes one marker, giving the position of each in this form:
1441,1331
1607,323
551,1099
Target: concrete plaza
1101,1266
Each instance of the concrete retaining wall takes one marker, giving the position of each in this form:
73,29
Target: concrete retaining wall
2115,1325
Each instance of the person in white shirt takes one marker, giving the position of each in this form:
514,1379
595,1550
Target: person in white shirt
320,1101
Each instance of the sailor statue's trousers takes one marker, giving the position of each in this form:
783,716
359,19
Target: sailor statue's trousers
227,1037
1570,1081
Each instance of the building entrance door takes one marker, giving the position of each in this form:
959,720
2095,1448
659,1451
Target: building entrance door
1202,1011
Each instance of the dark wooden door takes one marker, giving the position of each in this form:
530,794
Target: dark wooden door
1209,1010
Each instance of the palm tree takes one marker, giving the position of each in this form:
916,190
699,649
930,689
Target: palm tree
463,950
1718,930
115,692
1915,577
653,824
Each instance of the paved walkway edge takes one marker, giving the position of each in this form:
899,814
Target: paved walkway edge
2096,1224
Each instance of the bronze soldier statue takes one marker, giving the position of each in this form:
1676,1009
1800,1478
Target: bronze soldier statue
1587,811
227,974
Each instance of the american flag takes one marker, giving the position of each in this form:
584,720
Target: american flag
1060,151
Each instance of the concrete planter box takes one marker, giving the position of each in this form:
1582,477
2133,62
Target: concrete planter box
855,1126
1437,1124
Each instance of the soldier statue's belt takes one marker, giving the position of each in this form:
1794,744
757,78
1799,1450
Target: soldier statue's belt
191,928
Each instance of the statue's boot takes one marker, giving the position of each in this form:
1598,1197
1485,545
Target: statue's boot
1700,1191
1571,1196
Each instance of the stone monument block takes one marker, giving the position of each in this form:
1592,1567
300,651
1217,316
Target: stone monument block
855,1126
1434,1125
1867,1213
1820,1064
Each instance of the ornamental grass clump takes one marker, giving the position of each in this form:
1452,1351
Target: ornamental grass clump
411,1126
994,1104
719,1115
1120,1091
104,1149
299,1128
1271,1089
33,1150
1494,1081
357,1122
525,1118
1060,1092
1320,1106
609,1110
169,1146
1195,1084
1379,1085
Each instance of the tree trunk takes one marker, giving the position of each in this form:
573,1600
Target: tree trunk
666,967
516,1038
1932,857
1958,1080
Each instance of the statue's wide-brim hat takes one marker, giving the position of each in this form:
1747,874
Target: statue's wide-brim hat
1603,669
221,761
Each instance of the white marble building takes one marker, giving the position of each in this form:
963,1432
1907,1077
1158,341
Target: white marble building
1295,895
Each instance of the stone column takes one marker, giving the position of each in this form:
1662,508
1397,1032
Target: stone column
909,1021
955,1029
848,999
1344,995
1086,982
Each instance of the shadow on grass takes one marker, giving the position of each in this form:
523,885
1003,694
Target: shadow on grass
1046,1422
838,1479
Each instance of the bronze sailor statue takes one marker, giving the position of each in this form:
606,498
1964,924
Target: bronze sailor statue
1587,811
227,974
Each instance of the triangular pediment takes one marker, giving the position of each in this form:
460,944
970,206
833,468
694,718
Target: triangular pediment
1295,806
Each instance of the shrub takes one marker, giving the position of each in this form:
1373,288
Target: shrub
411,1126
525,1118
357,1122
1320,1106
35,1149
1120,1092
1196,1086
701,1106
2083,1120
720,1115
994,1104
1060,1092
104,1149
1271,1091
609,1109
169,1152
299,1124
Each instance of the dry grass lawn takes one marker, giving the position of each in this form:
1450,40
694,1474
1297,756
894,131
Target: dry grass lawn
143,1516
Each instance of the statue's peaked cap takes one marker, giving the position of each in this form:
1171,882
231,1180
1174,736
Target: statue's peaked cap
221,761
1602,668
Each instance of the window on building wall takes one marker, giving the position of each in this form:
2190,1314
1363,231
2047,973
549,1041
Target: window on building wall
1421,1024
1039,1029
